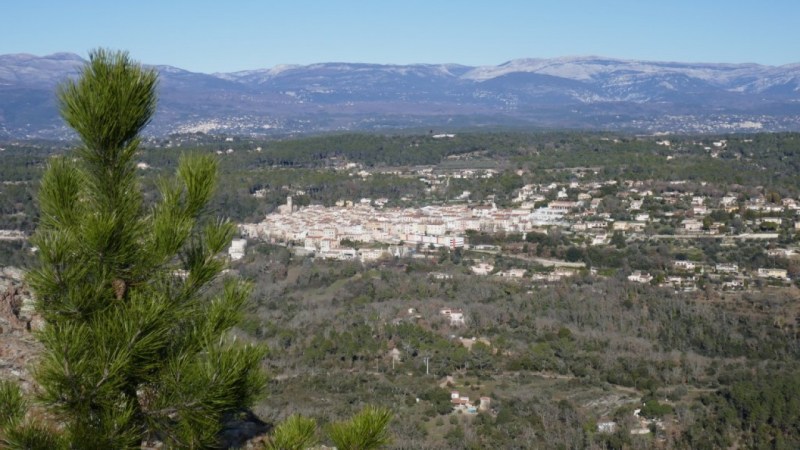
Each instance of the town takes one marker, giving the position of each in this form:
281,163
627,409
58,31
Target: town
367,230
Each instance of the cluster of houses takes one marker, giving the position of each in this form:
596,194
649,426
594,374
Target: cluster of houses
324,230
684,275
641,425
368,230
462,403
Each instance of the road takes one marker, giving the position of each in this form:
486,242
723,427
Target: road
543,261
716,236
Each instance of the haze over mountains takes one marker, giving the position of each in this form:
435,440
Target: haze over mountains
570,92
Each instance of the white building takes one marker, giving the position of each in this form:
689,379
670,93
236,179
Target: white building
639,277
238,246
456,316
727,268
512,273
684,265
482,269
773,273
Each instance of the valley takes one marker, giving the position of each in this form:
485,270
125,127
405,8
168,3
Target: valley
514,290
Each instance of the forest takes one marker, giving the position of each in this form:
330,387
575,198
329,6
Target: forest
555,360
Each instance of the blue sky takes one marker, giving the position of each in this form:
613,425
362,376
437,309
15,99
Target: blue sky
223,36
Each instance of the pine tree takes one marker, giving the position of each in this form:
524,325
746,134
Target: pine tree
136,319
367,430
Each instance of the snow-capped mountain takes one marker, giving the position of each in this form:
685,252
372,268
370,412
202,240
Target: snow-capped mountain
583,92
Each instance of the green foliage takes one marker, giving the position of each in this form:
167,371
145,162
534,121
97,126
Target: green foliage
109,104
15,432
762,412
295,433
653,409
133,348
34,436
440,400
367,430
618,240
12,405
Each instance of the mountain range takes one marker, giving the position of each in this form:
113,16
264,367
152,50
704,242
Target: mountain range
570,92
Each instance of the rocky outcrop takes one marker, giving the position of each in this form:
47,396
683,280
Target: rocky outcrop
18,347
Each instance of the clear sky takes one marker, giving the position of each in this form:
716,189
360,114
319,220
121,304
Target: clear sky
223,36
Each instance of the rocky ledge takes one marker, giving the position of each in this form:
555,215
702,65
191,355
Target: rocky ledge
18,347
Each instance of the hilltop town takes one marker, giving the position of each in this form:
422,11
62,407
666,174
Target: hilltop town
587,214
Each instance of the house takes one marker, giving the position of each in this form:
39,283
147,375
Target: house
773,273
372,254
435,228
580,226
456,316
458,399
329,233
238,246
729,203
726,268
596,225
733,285
512,273
620,226
600,239
606,427
546,215
639,277
692,226
482,269
628,226
564,272
540,277
562,205
453,242
440,275
684,265
555,275
461,403
780,252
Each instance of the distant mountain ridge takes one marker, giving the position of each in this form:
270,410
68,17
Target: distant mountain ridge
573,92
